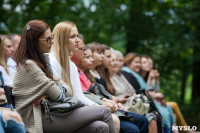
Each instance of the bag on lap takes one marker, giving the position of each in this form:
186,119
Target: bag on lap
99,89
55,113
138,104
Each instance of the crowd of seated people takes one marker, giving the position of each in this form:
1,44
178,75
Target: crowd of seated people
56,65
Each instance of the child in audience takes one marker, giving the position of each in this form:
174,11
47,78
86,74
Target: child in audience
34,81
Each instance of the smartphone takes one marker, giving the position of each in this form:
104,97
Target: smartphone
154,67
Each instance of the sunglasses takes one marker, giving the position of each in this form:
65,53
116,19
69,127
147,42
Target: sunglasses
151,90
49,39
159,98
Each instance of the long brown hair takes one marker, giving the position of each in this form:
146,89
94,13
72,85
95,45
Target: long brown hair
101,69
104,72
29,47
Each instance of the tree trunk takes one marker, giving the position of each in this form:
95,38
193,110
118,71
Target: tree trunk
196,74
183,86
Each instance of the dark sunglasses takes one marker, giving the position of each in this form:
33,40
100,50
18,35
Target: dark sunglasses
49,39
159,98
151,90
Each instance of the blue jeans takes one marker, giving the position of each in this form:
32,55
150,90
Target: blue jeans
11,126
140,124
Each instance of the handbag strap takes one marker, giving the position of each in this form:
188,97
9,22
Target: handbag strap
1,78
46,108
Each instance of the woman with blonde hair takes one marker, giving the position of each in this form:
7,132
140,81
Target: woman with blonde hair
66,41
6,51
7,73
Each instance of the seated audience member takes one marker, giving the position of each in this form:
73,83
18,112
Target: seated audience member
6,51
130,71
153,79
15,39
34,81
77,57
132,58
125,126
166,112
122,87
119,82
132,63
150,75
11,122
66,41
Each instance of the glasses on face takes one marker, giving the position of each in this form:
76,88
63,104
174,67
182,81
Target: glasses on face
151,90
49,39
159,98
82,49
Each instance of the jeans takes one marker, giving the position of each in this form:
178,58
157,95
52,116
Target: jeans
11,126
140,124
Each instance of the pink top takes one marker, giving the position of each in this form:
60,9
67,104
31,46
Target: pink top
85,83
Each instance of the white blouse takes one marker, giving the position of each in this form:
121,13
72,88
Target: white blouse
8,78
74,76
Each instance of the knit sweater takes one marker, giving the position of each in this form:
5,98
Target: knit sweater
121,86
29,84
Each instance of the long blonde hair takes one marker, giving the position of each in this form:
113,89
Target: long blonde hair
2,57
61,48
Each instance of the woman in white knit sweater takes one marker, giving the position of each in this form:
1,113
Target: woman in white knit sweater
34,81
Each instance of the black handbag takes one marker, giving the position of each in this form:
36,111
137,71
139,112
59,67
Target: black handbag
99,89
124,116
55,113
61,108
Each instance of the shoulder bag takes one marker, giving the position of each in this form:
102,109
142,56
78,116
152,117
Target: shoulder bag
138,104
55,113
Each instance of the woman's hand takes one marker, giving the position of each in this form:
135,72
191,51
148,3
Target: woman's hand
37,101
124,98
114,99
11,115
110,104
121,107
2,91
